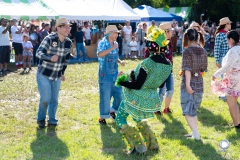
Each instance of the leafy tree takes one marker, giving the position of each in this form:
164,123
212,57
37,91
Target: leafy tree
212,10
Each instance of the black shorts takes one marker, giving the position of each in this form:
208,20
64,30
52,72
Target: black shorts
18,48
5,54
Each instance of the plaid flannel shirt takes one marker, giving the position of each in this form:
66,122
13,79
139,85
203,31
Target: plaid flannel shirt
221,47
102,46
50,46
194,59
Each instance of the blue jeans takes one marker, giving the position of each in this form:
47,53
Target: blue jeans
168,88
80,47
107,91
49,90
35,59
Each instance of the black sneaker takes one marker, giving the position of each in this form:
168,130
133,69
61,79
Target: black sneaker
41,124
112,115
7,71
158,113
52,125
102,121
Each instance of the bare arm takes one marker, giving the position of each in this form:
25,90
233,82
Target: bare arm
188,78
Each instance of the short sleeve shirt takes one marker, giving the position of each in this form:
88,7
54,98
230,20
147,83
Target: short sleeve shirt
194,59
102,46
4,38
79,36
127,30
87,32
17,38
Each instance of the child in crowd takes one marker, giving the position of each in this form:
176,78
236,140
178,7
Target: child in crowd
194,63
27,52
133,46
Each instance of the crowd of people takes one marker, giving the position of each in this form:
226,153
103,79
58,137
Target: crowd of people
143,88
139,93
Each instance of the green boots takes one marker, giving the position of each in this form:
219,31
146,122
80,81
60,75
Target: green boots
150,139
134,140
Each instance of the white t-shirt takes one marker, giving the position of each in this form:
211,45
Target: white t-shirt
127,30
4,38
17,38
87,33
133,45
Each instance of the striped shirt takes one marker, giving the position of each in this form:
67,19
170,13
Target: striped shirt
194,59
50,46
221,47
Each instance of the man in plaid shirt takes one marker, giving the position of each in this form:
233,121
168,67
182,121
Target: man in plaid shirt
54,53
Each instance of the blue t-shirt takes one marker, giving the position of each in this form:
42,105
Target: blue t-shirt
79,36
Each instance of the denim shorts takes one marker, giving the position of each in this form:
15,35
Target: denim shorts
168,88
190,102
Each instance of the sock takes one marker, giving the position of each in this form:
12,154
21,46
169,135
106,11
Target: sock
17,63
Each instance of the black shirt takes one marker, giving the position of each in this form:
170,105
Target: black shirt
79,36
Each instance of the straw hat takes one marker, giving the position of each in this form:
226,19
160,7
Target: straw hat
194,24
111,28
224,20
62,21
166,26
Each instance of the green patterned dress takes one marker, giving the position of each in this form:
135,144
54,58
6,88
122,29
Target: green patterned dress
142,104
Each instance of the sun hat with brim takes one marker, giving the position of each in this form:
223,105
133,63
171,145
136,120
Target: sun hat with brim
14,19
166,26
156,40
62,21
224,20
111,28
194,24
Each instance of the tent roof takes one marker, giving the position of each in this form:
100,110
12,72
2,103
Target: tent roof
26,10
93,9
149,13
180,11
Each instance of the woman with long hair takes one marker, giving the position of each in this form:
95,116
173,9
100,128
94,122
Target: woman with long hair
194,63
230,85
221,45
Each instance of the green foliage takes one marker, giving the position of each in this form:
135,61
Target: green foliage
213,10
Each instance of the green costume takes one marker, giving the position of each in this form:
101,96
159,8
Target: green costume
140,97
141,104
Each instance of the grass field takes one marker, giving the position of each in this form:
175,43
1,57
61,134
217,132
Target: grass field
79,136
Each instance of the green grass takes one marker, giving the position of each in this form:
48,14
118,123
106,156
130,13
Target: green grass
79,136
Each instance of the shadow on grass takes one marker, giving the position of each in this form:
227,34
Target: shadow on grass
207,118
48,146
112,144
199,149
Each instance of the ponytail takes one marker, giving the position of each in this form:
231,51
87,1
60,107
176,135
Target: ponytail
201,40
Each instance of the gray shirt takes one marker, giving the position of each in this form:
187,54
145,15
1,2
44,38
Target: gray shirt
139,31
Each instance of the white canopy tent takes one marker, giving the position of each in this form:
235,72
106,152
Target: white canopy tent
26,10
92,9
